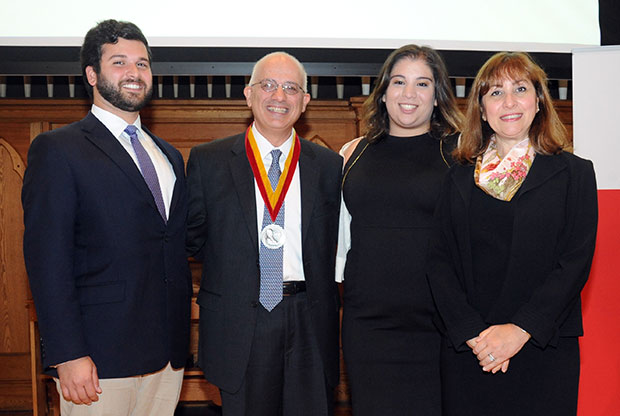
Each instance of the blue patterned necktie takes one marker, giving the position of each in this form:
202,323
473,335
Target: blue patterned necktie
271,269
147,168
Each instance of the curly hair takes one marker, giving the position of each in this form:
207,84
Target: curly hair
446,118
107,31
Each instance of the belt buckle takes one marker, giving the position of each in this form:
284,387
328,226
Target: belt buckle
291,288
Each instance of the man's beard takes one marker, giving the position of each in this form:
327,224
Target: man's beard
114,95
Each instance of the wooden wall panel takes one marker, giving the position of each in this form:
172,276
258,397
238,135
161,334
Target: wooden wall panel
14,333
197,122
564,109
15,396
333,122
184,123
15,390
13,283
17,135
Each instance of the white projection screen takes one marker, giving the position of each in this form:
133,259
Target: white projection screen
531,25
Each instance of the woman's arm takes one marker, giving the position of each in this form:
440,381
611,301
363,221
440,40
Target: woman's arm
543,314
444,271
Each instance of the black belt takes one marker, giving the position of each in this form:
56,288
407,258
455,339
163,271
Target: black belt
293,288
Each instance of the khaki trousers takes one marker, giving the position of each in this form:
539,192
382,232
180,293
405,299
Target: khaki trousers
147,395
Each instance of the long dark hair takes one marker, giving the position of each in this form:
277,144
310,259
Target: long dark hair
446,117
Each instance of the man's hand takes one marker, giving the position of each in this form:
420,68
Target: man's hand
79,382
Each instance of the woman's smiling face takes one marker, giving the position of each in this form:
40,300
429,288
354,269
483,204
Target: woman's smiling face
410,97
509,106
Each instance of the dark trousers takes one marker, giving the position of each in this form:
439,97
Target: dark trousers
285,374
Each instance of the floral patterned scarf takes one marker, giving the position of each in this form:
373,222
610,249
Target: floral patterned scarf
502,178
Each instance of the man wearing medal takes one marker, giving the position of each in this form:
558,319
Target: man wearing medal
263,219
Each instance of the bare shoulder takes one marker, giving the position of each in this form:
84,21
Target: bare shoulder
347,149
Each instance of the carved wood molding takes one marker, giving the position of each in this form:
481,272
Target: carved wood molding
18,164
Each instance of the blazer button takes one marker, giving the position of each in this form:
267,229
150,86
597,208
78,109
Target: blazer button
254,304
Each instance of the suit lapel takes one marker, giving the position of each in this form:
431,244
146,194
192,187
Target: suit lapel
101,137
308,177
243,179
543,168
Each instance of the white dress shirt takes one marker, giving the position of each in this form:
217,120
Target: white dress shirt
292,262
163,167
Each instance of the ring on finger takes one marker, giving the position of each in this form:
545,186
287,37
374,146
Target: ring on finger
491,357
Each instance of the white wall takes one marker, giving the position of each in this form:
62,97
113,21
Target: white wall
596,111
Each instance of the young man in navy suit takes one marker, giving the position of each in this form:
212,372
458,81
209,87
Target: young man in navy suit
263,218
104,210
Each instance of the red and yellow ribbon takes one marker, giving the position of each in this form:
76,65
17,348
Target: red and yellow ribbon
273,198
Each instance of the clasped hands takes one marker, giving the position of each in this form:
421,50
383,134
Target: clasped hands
79,381
496,345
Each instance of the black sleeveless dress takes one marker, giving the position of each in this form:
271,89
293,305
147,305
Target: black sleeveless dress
391,347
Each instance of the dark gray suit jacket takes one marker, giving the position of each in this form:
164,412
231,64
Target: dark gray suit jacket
222,232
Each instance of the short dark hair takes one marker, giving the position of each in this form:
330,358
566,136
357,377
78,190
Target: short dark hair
446,117
107,31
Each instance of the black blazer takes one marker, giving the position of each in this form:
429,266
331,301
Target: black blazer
109,277
222,232
554,234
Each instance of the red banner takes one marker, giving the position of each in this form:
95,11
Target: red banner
599,389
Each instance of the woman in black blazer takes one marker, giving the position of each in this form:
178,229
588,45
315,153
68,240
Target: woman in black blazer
516,228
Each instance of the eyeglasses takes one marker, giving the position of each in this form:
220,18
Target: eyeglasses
289,87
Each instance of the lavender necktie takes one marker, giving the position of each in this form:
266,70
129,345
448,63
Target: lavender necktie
271,258
147,168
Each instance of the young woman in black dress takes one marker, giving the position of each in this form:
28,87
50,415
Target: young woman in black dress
391,184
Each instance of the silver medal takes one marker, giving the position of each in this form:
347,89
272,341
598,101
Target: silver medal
272,236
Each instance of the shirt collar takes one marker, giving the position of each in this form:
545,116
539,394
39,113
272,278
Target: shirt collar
114,123
265,148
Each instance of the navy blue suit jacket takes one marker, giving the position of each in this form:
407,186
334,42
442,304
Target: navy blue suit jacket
109,277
